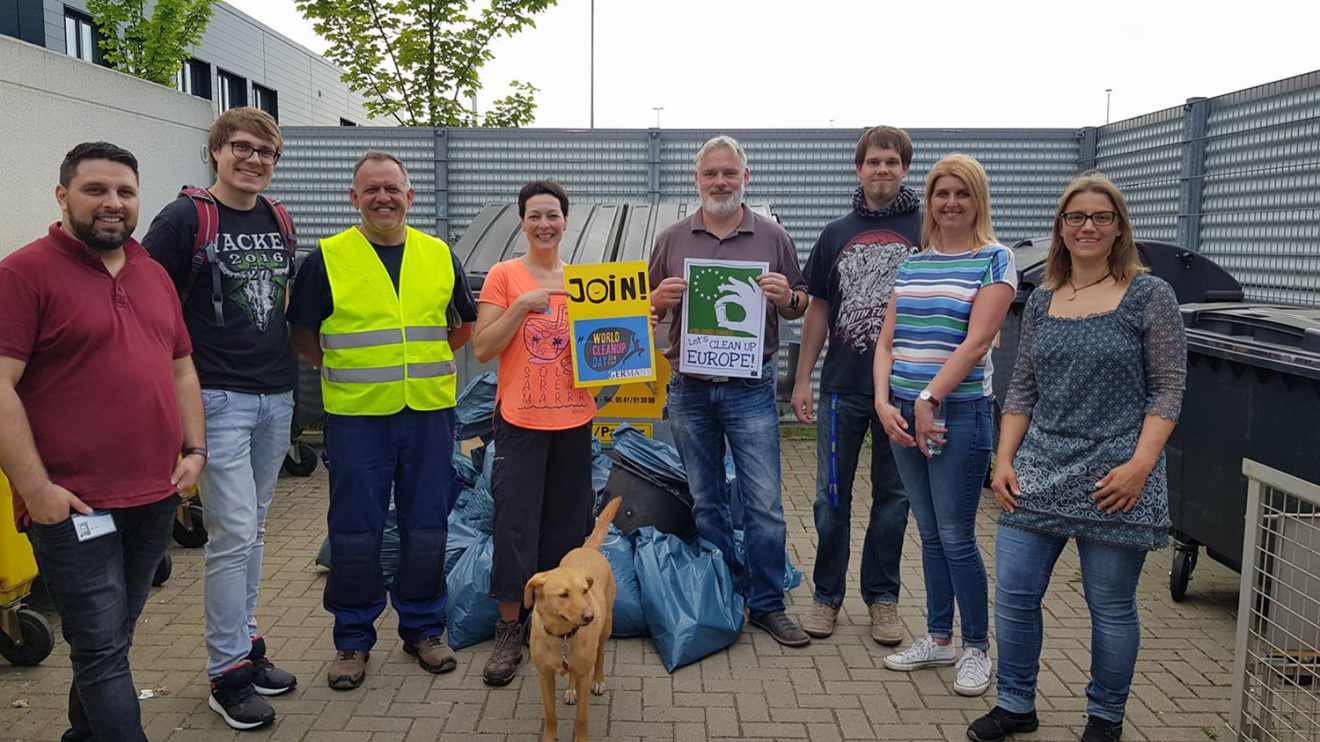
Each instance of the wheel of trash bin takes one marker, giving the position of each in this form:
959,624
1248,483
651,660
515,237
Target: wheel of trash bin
1184,562
38,640
192,533
306,463
163,571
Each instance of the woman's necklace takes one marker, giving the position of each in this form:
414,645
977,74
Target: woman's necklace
1075,288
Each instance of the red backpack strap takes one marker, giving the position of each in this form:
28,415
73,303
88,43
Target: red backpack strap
208,228
287,231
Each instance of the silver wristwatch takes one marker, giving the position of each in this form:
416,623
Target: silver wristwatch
926,396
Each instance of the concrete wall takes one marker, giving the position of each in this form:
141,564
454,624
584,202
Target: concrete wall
50,102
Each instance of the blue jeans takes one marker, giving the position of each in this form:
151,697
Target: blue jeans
99,588
247,437
702,415
843,420
945,491
1023,563
411,453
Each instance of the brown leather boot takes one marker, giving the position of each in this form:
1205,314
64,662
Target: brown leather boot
433,654
507,655
348,670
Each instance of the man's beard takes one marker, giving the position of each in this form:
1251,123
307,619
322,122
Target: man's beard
100,239
727,207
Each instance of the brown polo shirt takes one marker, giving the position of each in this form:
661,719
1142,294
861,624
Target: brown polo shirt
756,238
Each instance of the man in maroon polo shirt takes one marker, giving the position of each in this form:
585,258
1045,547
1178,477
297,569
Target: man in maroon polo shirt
101,423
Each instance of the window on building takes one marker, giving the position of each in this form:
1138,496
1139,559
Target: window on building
80,37
346,122
267,100
233,90
194,78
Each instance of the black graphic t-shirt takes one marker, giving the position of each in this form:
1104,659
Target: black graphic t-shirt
853,266
250,353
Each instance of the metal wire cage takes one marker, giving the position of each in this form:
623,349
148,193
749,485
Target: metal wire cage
1276,685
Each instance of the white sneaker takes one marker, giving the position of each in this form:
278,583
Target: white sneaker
974,669
923,653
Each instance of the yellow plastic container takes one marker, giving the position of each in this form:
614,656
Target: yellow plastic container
17,567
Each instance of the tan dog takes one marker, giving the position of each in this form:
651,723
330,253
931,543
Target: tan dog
572,617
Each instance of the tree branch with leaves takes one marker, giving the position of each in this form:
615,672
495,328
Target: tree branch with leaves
150,48
418,61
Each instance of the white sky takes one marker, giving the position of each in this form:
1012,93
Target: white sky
857,63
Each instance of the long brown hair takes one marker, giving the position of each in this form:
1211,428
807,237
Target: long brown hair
972,175
1124,262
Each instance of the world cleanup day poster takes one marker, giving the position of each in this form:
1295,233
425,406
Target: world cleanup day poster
724,318
609,315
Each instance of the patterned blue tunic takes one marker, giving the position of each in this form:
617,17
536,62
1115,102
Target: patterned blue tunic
1088,383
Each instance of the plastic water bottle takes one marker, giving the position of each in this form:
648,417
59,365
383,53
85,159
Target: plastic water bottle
936,448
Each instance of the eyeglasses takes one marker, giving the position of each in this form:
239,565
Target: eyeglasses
1099,218
243,150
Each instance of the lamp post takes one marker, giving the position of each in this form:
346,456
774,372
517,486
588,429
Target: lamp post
592,119
657,110
1108,93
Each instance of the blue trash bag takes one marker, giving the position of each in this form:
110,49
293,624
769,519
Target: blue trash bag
691,608
650,456
474,414
464,470
462,534
389,547
629,618
792,576
476,503
472,612
600,466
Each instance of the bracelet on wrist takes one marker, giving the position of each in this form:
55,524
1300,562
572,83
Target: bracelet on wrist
195,450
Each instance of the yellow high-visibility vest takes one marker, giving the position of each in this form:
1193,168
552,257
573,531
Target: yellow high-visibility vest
386,350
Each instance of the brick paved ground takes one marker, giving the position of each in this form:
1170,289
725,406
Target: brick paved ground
835,689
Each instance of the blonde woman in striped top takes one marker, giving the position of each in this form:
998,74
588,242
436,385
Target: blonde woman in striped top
933,396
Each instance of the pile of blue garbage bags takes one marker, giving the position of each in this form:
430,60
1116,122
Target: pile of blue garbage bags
680,593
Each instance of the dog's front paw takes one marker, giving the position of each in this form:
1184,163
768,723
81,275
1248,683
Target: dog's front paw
598,689
570,697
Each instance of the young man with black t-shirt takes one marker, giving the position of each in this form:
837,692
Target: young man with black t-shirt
233,303
850,275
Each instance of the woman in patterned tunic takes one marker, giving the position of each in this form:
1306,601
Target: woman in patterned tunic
1096,391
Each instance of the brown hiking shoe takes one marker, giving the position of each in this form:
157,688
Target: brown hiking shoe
819,621
348,670
506,656
886,627
433,654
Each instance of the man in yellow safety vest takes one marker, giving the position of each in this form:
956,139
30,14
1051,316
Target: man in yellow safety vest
380,308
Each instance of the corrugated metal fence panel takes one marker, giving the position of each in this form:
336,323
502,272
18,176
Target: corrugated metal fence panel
488,166
1143,156
316,172
1261,204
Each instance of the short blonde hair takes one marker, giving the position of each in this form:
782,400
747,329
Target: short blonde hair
1124,261
972,175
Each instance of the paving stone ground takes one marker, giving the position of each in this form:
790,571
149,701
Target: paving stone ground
835,689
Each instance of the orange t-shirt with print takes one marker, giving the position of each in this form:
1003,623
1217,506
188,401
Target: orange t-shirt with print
536,368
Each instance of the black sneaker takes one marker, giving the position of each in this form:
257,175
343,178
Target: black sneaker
237,702
1102,730
778,625
506,656
267,679
1000,723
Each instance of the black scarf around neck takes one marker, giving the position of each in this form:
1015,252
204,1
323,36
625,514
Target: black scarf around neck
906,201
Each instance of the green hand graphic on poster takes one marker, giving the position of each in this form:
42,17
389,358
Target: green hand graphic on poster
724,316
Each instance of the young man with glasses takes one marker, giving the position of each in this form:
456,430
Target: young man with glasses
233,294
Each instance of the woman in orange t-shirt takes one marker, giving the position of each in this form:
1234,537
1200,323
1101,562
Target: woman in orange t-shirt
541,478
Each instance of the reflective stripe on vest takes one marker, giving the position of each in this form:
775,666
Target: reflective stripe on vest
384,350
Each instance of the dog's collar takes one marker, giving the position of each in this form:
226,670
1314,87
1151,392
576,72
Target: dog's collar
567,636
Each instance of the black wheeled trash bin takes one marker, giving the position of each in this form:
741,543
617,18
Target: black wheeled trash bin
1253,391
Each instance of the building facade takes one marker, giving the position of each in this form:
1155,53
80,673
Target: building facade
238,62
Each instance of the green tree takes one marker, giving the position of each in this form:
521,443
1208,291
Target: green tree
419,61
150,48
